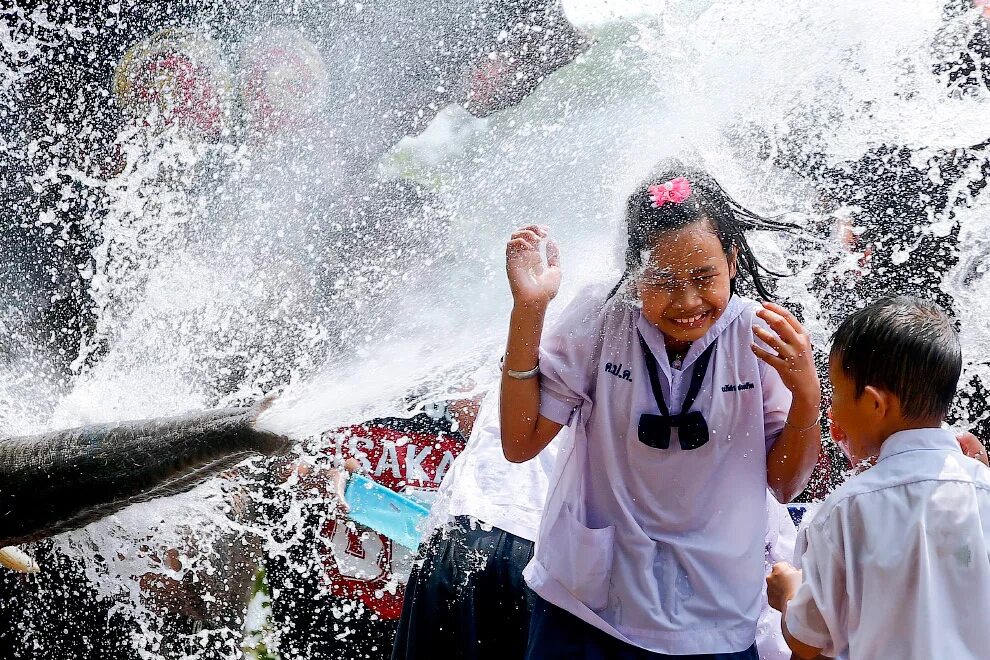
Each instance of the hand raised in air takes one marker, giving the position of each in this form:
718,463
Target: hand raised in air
533,282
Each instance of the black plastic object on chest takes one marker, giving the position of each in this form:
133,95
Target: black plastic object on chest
654,430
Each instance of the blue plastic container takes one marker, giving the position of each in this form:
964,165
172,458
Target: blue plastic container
385,511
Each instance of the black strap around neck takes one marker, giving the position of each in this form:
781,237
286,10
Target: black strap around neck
699,369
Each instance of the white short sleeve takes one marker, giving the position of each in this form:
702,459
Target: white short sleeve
568,354
816,614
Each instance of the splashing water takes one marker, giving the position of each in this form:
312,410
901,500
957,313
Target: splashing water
157,263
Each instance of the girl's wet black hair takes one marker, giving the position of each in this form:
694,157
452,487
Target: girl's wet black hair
729,220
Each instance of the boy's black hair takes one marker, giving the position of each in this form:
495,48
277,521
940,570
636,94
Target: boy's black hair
906,346
708,202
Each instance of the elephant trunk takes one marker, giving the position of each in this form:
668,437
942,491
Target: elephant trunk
59,481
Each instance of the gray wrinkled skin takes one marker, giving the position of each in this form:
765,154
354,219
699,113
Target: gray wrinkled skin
64,480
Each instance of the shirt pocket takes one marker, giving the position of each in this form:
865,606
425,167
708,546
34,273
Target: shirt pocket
581,560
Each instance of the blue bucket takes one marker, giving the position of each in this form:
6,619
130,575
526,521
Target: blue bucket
385,511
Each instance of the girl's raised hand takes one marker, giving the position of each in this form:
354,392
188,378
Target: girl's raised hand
792,356
532,282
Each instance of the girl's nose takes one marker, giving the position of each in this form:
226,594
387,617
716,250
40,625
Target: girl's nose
689,298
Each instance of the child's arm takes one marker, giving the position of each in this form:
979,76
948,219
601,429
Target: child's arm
524,431
782,584
799,648
794,455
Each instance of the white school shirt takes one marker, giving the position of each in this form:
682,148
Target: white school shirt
483,484
660,548
510,496
896,560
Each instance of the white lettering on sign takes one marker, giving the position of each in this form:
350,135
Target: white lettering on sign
359,449
389,460
357,553
411,470
414,463
445,463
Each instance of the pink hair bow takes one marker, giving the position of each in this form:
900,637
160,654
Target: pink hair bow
675,190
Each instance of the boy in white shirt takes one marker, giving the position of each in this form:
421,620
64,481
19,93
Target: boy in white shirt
896,562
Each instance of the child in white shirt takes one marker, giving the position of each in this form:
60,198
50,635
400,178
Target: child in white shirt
896,562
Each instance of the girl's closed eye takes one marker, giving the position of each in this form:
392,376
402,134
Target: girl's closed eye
657,279
672,284
667,278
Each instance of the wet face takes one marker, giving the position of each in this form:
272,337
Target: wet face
686,283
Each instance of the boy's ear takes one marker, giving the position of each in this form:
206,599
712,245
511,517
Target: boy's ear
877,400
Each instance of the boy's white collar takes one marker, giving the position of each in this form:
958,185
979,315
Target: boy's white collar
919,439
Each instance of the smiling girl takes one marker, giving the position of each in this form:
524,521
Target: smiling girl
651,543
